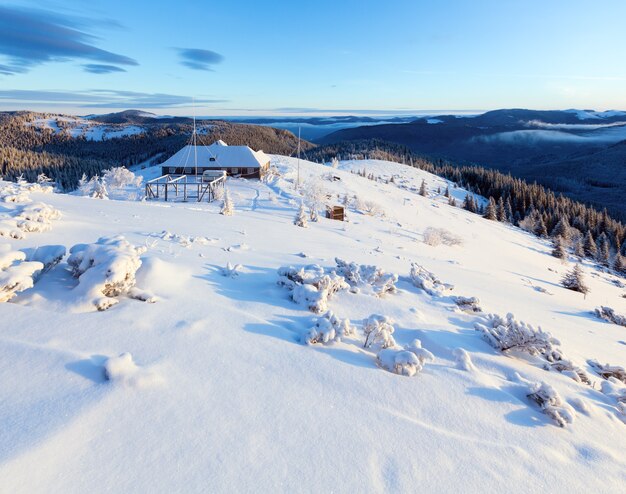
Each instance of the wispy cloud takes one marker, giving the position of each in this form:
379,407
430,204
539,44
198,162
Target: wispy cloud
197,59
101,98
31,37
96,68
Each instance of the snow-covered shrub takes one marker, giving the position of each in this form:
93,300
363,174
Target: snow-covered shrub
608,371
427,281
328,328
406,361
48,255
551,403
463,360
231,270
314,195
323,332
570,369
467,304
436,236
358,275
508,334
16,274
107,269
37,217
311,285
124,370
574,280
378,331
608,314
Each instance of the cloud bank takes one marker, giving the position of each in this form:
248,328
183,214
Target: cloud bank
31,37
197,59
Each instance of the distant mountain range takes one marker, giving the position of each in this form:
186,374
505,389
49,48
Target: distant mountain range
579,152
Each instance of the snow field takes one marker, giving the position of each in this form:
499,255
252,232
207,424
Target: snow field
242,404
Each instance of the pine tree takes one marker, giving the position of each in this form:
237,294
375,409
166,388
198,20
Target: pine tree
422,191
452,201
509,211
300,219
603,254
559,249
491,213
228,209
447,192
620,264
469,204
501,211
589,245
574,280
540,227
562,229
579,250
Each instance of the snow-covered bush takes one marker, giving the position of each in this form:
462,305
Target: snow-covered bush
48,255
16,274
107,269
551,403
427,281
608,371
608,314
37,217
467,304
570,369
311,285
406,361
314,195
124,370
508,334
436,236
323,332
231,270
378,331
359,275
574,280
329,328
120,177
463,360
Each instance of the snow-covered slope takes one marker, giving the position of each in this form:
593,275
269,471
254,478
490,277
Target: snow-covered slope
218,392
83,127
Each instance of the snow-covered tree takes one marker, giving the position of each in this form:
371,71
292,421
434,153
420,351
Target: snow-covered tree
579,248
300,219
589,245
562,229
491,212
447,192
540,227
574,280
314,195
603,252
559,250
500,210
423,191
334,162
619,265
228,208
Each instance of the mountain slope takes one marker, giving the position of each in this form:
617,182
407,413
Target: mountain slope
226,397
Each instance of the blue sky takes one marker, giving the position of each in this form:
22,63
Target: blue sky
293,57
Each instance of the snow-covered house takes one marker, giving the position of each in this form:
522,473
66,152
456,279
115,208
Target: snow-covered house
235,160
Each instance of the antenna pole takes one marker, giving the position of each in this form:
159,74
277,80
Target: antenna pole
195,147
298,182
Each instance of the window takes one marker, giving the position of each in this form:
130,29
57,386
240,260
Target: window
211,158
172,169
188,170
234,171
250,171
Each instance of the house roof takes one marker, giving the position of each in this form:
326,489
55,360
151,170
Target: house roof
225,156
